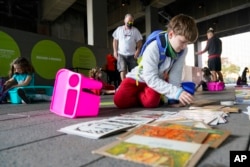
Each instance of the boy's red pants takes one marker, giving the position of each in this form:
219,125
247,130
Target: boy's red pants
131,95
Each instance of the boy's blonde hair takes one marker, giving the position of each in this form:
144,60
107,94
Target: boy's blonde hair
184,25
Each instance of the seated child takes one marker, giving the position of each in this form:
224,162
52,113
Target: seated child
206,77
96,73
22,74
242,80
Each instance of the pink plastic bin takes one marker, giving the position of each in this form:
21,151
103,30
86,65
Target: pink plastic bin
69,99
215,86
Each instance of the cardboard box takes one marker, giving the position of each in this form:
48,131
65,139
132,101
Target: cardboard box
193,74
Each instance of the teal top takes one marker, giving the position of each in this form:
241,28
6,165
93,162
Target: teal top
20,78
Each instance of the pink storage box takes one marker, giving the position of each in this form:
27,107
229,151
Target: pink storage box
69,99
215,86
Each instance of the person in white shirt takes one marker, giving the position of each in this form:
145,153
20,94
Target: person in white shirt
127,42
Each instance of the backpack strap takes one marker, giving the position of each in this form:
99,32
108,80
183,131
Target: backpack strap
162,45
149,39
159,36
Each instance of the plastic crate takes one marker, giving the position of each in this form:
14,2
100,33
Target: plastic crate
15,99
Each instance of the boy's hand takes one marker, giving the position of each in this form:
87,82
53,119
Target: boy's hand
186,98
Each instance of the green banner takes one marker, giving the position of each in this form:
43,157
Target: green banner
9,50
47,58
83,60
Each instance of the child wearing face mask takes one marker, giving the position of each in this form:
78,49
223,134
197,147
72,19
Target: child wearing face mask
145,84
127,42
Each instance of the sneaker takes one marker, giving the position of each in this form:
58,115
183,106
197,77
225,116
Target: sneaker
22,95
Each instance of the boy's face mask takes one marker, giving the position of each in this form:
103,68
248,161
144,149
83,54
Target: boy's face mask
129,24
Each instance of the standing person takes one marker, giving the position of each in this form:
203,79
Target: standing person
127,43
214,49
156,80
111,70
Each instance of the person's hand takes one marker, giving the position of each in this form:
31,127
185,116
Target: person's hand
6,82
9,84
115,55
186,98
198,53
136,54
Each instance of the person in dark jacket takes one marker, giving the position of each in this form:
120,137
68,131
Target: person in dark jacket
214,49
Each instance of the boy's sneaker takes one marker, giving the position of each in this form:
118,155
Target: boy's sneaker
22,95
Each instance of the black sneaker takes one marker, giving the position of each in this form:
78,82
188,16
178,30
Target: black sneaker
22,95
